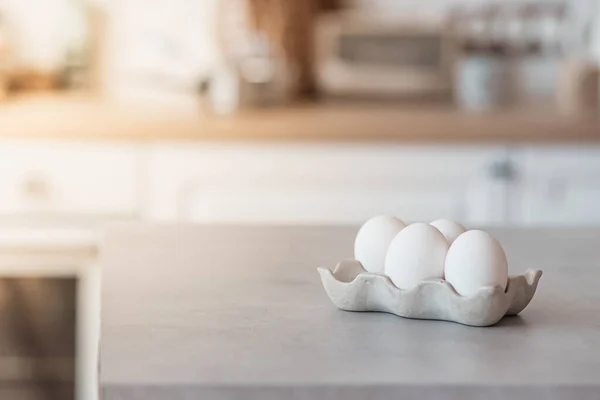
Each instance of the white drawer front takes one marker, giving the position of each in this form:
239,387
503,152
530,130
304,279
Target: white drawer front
558,186
316,183
64,178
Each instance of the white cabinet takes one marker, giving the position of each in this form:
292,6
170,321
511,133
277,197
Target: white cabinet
46,255
68,179
299,183
556,186
322,183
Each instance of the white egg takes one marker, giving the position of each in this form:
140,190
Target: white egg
450,229
475,260
373,240
417,253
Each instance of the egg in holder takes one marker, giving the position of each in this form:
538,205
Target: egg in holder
351,288
439,270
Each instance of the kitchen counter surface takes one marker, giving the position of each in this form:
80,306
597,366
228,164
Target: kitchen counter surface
240,313
85,117
74,248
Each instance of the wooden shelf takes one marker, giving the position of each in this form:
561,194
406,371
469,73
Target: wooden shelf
90,118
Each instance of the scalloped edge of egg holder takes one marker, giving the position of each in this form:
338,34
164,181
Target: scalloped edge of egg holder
351,288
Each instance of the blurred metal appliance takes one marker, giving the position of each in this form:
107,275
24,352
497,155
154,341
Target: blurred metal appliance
377,55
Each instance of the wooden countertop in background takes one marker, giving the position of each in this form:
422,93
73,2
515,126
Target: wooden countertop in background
90,118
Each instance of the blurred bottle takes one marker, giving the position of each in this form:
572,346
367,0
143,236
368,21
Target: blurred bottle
98,50
485,76
578,90
578,84
552,24
533,32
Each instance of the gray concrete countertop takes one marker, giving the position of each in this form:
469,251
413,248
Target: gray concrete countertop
239,313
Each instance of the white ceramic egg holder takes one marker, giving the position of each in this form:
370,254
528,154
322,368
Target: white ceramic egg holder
351,288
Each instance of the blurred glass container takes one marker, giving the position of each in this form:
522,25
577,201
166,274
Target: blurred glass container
251,73
251,82
484,82
285,28
98,49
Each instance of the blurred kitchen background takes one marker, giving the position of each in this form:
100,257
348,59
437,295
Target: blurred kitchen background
273,112
283,111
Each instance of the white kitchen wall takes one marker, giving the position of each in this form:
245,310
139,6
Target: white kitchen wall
158,52
42,31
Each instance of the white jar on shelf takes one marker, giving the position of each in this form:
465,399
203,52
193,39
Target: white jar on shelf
484,82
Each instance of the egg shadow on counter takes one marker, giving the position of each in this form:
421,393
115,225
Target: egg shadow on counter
511,321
